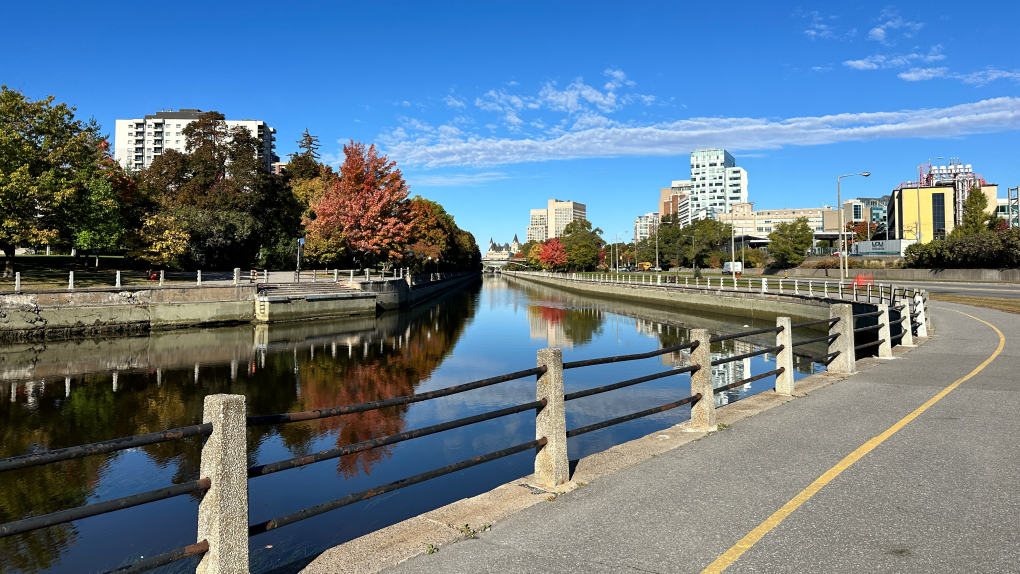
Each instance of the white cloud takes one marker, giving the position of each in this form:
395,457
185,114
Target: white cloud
821,68
822,27
990,75
883,61
453,102
893,21
616,79
455,179
678,138
919,74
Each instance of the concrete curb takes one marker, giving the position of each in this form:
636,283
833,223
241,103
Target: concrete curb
441,527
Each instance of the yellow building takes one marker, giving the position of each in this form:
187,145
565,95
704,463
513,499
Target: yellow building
926,213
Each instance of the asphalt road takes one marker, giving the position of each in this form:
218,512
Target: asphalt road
940,494
999,290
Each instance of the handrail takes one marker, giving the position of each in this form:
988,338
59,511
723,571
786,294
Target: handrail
719,338
828,338
384,403
775,349
831,321
91,449
627,383
619,358
743,382
869,328
146,564
63,516
264,469
632,416
263,527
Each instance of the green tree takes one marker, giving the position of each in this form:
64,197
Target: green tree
47,161
304,164
582,244
790,242
975,218
232,210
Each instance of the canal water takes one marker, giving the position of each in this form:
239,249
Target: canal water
64,393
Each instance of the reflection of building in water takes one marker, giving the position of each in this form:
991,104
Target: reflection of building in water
548,323
729,373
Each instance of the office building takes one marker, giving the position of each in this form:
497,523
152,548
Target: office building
137,142
746,221
549,222
716,183
866,209
676,199
645,226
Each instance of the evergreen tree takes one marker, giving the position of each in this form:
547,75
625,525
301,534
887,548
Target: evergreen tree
304,164
975,218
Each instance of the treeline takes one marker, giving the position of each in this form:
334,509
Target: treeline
215,206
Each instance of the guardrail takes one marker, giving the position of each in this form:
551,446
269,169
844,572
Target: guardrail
871,293
223,522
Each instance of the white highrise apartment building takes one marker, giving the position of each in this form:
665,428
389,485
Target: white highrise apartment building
549,223
716,183
645,226
138,142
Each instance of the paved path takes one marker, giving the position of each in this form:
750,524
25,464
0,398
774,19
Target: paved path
941,494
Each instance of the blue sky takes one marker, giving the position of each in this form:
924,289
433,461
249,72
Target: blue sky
491,108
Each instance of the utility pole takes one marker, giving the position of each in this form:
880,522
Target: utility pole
842,225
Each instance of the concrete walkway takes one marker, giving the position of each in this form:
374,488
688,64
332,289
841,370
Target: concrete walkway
941,494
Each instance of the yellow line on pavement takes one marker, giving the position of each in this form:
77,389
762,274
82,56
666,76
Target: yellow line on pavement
771,522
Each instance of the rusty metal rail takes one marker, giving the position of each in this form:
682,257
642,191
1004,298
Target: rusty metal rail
197,549
743,382
866,345
720,338
627,383
64,516
91,449
748,355
871,314
636,356
632,416
264,469
831,321
393,402
263,527
870,328
827,338
824,359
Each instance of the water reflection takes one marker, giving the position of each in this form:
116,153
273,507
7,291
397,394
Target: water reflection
58,394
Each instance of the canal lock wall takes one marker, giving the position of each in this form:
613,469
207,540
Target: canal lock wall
61,314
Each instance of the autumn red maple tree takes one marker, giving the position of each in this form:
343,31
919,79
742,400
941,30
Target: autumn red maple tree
553,254
362,213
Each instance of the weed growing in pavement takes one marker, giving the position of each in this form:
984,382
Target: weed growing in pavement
431,549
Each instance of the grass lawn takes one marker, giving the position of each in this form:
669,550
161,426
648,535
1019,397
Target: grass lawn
1007,305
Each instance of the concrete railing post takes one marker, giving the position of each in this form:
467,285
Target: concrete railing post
315,275
551,465
796,286
885,347
17,278
922,324
765,285
703,412
117,285
198,277
70,281
223,512
237,275
161,277
905,325
784,359
846,361
336,276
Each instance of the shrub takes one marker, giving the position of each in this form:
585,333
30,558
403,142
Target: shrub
714,262
997,250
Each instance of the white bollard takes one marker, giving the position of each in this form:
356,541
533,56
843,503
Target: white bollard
198,277
70,281
118,280
161,278
17,278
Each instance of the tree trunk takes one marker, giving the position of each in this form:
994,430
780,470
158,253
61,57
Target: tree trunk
8,259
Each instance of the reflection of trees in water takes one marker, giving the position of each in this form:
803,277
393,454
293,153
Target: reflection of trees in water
564,325
42,418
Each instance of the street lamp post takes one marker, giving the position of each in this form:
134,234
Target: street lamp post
842,225
617,249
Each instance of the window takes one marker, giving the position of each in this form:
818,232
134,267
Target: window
178,125
938,215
